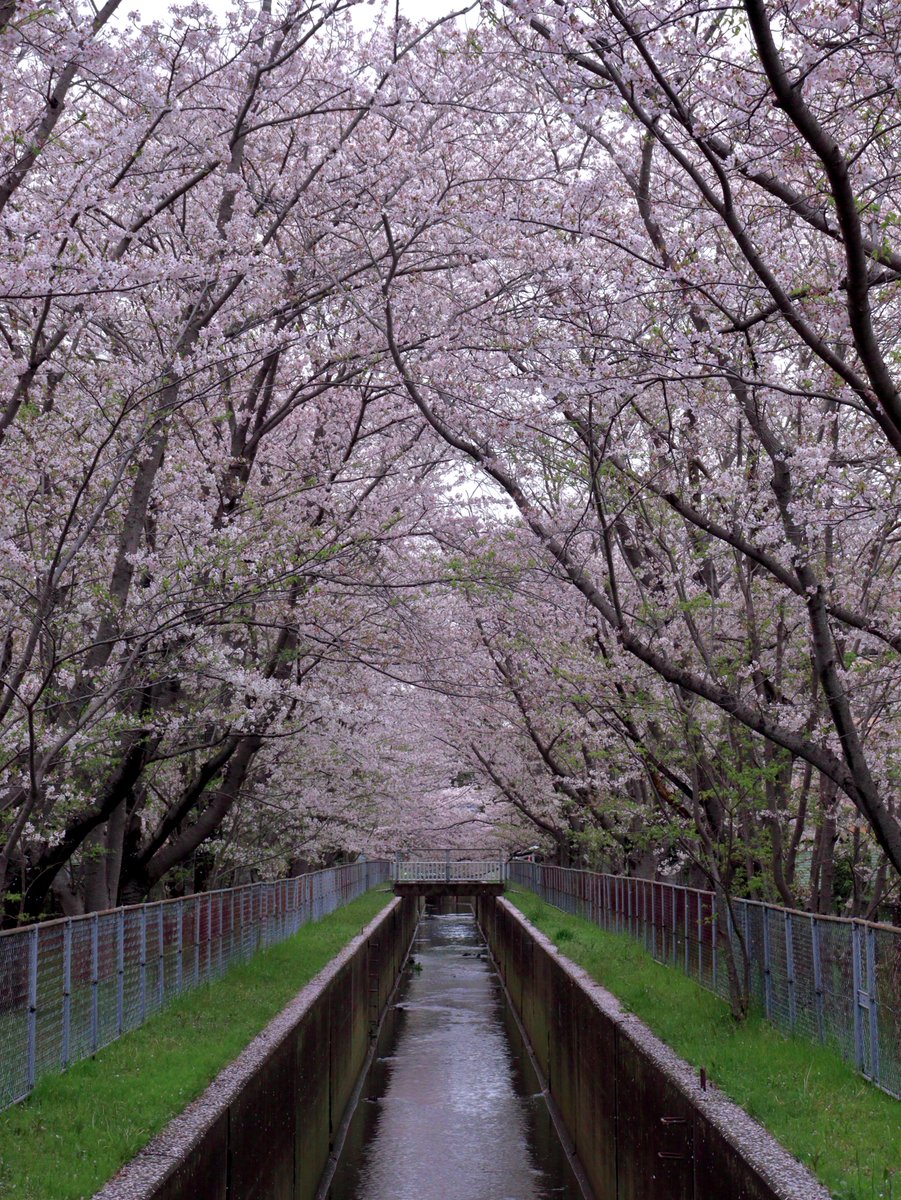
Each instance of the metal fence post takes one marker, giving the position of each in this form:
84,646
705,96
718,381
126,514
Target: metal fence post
666,923
790,971
859,1060
196,941
675,893
873,998
67,995
817,976
220,949
686,920
700,939
714,947
120,972
161,956
32,1065
767,978
95,983
209,935
179,945
142,963
746,927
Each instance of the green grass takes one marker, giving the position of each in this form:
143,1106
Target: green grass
77,1129
846,1131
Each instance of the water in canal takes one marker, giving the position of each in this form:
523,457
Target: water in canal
451,1108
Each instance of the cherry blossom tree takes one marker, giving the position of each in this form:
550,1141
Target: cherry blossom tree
479,432
699,485
201,463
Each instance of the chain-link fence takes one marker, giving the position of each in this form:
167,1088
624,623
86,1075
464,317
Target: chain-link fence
828,978
69,987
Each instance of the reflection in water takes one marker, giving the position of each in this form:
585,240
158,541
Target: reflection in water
451,1109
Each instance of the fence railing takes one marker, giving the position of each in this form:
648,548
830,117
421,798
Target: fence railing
447,870
832,979
72,986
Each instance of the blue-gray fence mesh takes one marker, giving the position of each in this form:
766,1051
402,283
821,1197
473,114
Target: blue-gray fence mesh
69,987
831,979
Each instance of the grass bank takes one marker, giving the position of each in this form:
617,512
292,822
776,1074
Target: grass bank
847,1132
77,1129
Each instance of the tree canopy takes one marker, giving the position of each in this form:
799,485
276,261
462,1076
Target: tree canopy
453,433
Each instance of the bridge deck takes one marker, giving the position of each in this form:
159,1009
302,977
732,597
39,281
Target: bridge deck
443,888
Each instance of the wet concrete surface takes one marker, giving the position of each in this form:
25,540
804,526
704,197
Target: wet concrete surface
451,1109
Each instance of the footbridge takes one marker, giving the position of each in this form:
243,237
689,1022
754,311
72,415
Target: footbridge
448,873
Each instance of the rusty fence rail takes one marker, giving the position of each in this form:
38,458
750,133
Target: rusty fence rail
832,979
72,986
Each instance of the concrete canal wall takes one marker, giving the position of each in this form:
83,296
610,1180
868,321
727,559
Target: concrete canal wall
631,1111
265,1127
635,1113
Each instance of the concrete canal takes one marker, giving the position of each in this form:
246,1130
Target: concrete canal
452,1108
446,1104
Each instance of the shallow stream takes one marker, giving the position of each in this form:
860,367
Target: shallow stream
451,1109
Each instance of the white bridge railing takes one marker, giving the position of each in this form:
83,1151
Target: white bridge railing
447,870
